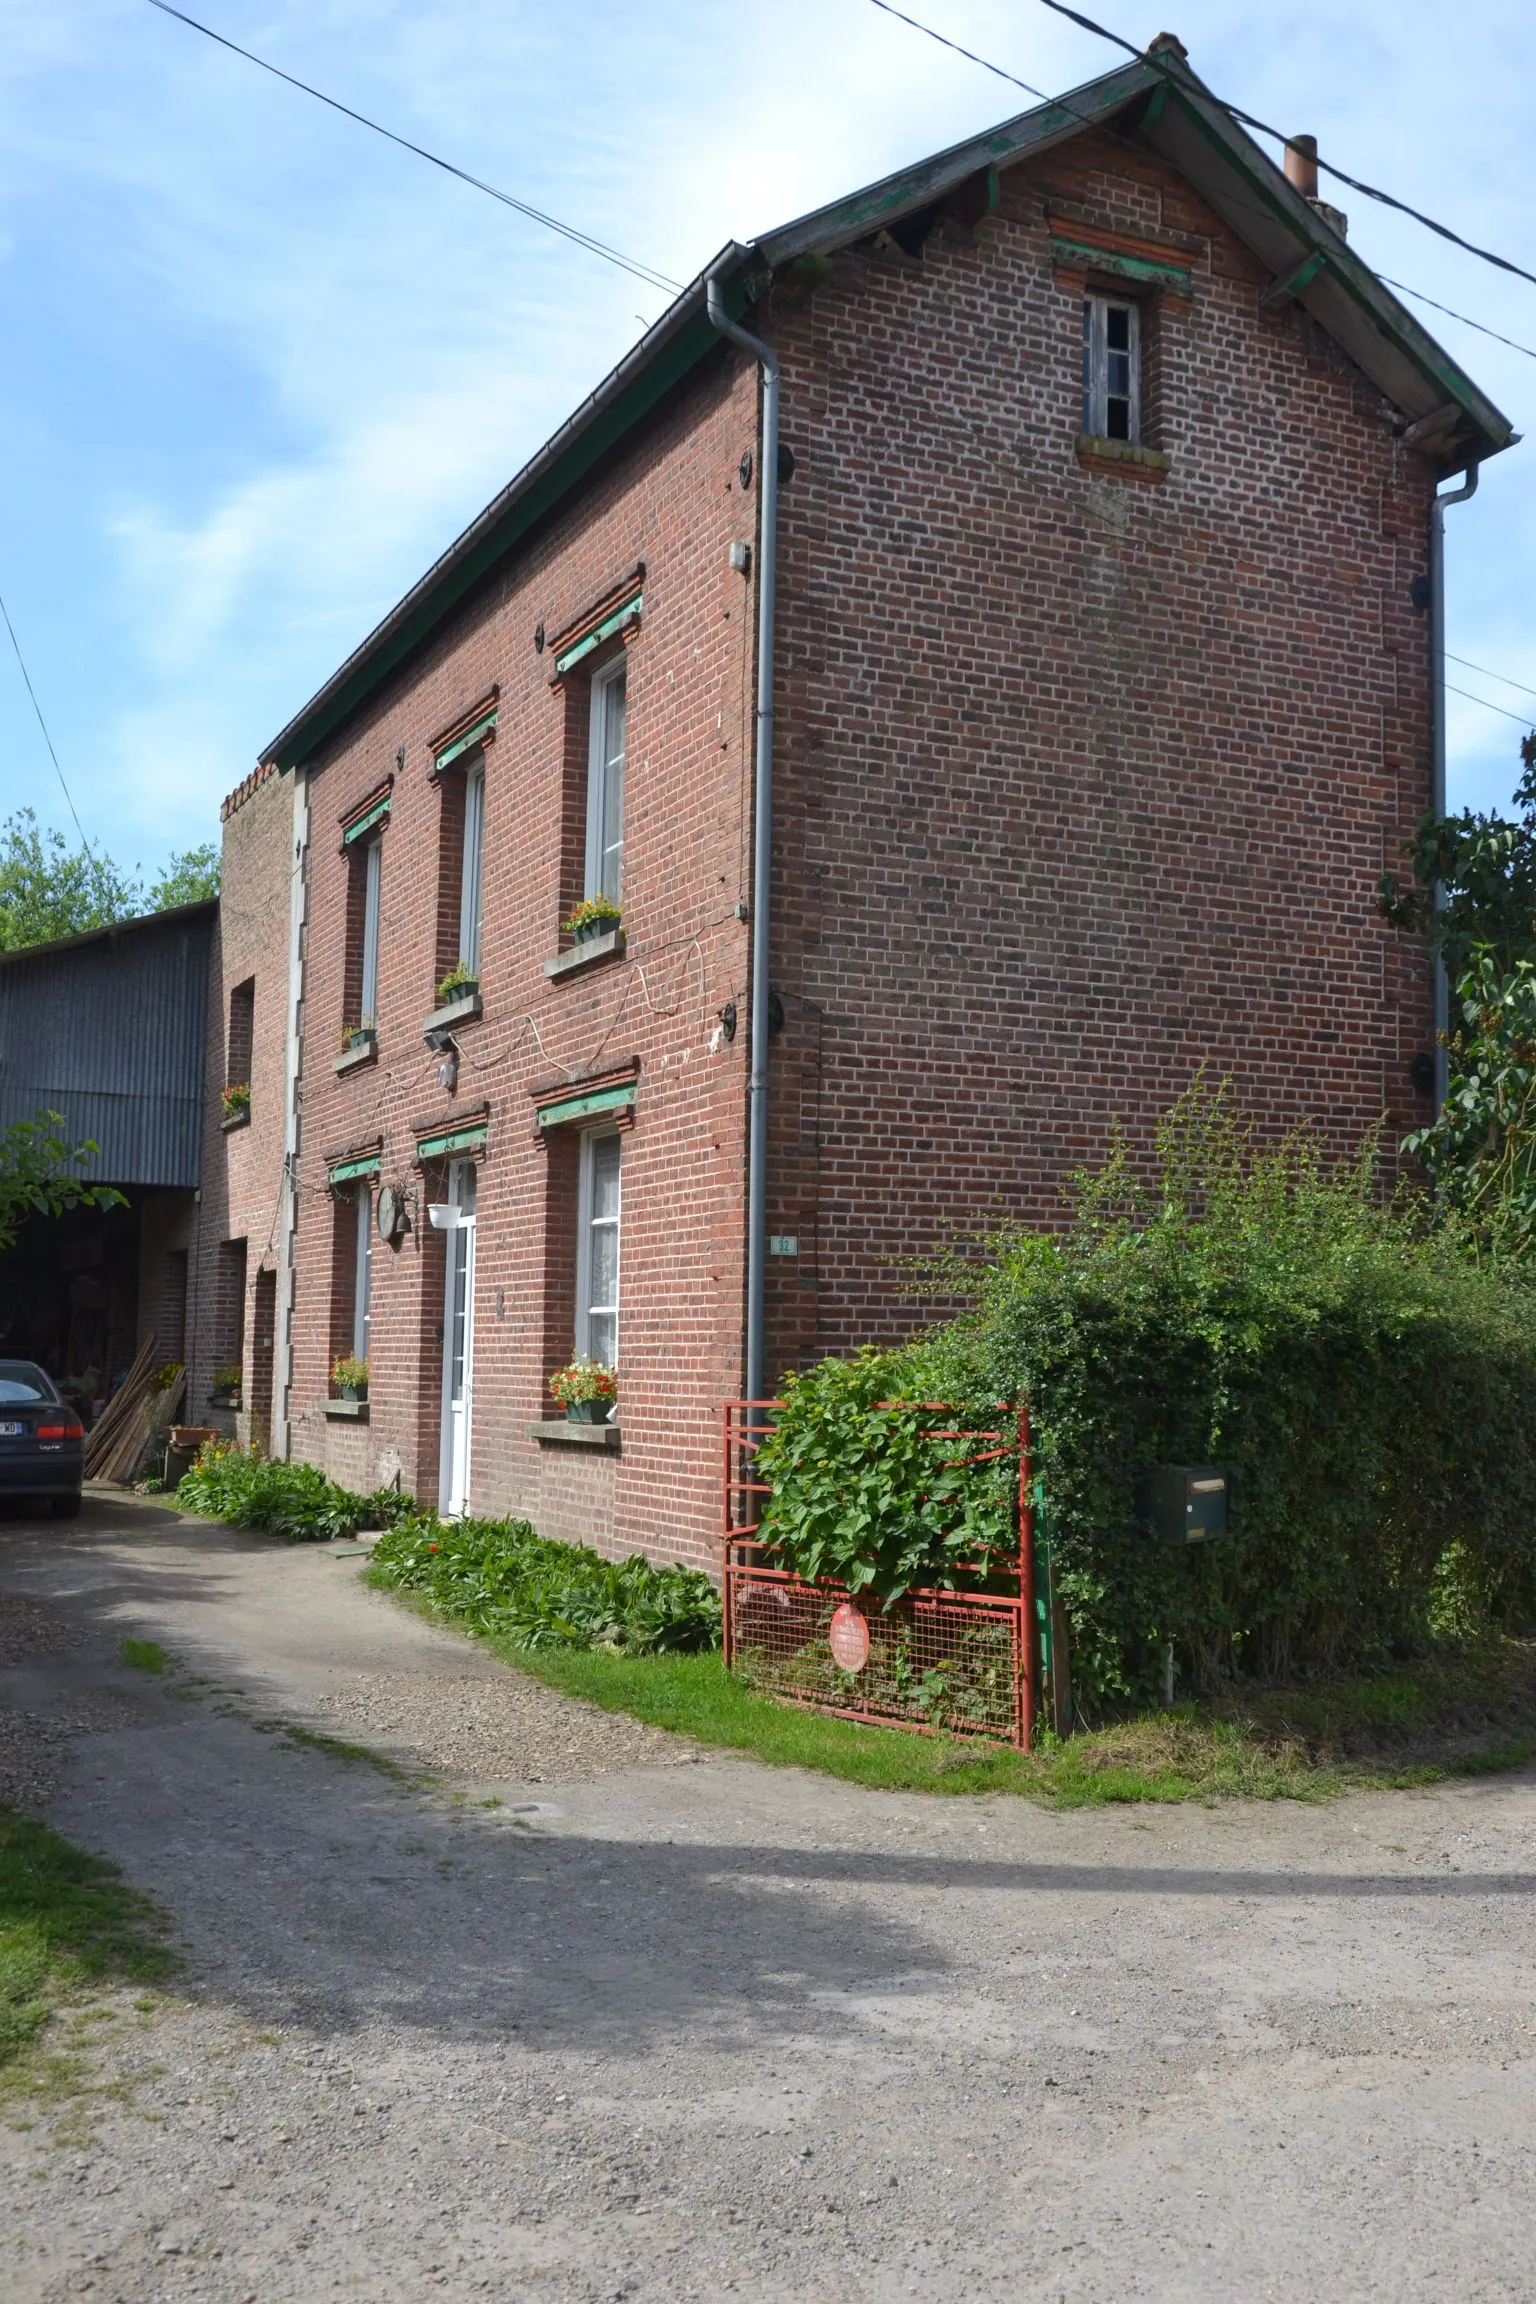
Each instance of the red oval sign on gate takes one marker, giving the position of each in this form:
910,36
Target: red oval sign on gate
848,1637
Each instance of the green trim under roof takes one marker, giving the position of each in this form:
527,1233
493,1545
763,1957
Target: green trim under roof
366,822
471,1139
583,1107
462,744
1156,98
346,1171
604,631
1087,256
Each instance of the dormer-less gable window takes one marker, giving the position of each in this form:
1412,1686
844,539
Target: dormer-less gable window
1111,368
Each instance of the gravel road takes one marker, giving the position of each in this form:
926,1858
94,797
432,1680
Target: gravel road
662,2025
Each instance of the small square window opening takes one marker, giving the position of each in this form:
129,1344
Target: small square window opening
1111,369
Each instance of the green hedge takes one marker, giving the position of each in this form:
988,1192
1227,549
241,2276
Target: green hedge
495,1575
1371,1390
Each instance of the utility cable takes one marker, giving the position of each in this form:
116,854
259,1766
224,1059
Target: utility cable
1521,719
42,723
1487,675
1419,297
645,272
1370,191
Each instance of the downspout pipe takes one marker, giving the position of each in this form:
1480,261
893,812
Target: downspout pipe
1442,989
762,832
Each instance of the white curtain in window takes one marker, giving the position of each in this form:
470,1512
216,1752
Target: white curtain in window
373,866
363,1290
597,1325
470,879
605,786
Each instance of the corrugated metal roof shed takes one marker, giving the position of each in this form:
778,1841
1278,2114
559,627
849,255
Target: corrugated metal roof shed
108,1028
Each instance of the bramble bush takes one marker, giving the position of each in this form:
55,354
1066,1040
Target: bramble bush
1370,1387
494,1575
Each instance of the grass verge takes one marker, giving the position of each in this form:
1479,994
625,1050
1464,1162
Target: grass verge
67,1919
1470,1712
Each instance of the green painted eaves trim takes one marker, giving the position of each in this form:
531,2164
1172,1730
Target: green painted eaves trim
579,1107
604,631
461,744
345,1171
452,1140
375,815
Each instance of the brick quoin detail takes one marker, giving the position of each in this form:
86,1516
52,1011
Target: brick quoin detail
1082,784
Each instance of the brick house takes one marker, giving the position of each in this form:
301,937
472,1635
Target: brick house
1104,692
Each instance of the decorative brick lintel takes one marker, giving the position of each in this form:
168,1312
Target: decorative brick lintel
1122,460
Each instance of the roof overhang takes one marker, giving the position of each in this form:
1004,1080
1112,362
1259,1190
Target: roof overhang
1156,98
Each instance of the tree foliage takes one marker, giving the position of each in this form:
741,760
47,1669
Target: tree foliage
1370,1389
1485,867
41,1174
1481,1147
49,890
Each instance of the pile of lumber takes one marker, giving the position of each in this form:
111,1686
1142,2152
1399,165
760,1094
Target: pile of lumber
115,1444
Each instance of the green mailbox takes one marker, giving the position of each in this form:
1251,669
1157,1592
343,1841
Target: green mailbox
1183,1503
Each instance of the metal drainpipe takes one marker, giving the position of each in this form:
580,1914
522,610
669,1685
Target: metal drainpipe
762,833
1437,742
281,1438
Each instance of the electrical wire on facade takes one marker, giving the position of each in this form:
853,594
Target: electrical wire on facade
42,723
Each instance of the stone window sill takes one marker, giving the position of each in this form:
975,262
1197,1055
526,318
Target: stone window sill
234,1121
347,1411
455,1013
609,947
1122,459
562,1434
353,1059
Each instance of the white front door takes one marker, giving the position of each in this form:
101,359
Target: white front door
458,1341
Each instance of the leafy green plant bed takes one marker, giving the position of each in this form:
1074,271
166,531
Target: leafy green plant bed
501,1577
1466,1714
294,1501
66,1919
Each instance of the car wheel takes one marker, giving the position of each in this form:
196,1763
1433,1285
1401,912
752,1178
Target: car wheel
65,1507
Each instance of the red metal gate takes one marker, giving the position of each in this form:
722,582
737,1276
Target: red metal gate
961,1662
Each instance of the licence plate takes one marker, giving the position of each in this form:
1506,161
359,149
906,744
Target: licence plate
11,1431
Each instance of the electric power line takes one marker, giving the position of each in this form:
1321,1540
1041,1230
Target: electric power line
1419,297
42,723
1487,675
1370,191
1521,719
645,272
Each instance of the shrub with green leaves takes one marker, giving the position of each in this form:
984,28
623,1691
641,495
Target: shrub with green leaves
294,1501
501,1577
1370,1388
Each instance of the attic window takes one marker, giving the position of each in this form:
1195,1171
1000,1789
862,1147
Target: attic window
1111,369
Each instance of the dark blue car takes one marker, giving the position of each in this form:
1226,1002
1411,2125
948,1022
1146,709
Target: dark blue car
42,1441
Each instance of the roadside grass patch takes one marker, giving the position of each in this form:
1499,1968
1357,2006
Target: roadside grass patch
1472,1714
146,1656
67,1921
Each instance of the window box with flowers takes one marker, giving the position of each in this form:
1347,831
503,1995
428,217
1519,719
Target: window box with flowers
595,927
236,1100
586,1390
458,999
350,1376
359,1045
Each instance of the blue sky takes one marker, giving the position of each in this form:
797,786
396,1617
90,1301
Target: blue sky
260,366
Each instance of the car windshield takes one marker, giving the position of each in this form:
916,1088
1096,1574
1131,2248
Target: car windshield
17,1384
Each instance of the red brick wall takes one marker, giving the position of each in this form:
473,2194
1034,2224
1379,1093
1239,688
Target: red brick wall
242,1170
674,503
1082,783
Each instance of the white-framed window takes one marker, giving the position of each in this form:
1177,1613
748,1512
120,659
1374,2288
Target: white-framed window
1112,368
362,1284
472,870
373,865
605,785
597,1248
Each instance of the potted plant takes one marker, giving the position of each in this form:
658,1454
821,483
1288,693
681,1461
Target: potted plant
228,1385
593,916
586,1389
350,1376
237,1103
357,1036
460,983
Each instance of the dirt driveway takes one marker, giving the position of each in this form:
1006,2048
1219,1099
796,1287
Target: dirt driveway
661,2026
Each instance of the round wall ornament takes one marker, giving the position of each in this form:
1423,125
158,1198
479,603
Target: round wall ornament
391,1211
848,1638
